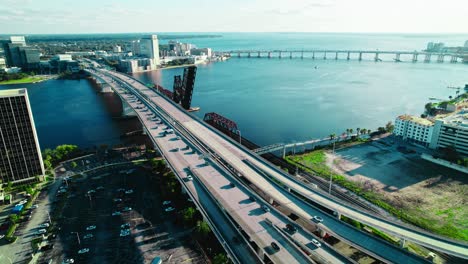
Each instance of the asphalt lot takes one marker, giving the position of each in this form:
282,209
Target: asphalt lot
151,231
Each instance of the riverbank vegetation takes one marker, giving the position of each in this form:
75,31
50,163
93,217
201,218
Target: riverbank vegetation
18,78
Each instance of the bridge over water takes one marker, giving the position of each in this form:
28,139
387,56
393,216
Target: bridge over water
216,161
325,54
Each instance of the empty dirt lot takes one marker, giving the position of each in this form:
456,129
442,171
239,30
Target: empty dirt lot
432,193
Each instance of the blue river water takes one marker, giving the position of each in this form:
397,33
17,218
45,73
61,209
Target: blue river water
271,100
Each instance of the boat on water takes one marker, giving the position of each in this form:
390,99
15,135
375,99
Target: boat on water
194,109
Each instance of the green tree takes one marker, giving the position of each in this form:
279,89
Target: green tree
428,108
189,214
221,258
389,127
202,228
14,218
73,164
332,136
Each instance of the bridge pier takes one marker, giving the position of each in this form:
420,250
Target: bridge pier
302,54
397,57
284,151
269,55
238,54
348,55
127,109
290,55
248,55
313,55
402,242
324,55
279,55
415,57
360,56
376,58
427,58
336,55
440,58
454,59
258,56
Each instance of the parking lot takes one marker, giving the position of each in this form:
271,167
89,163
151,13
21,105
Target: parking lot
116,216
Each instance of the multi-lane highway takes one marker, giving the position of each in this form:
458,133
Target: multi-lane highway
212,188
282,189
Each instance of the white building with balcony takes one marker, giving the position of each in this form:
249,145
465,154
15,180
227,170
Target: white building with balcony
414,129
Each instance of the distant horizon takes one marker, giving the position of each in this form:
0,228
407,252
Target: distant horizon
243,32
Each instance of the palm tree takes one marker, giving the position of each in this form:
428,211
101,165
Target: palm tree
332,136
357,131
351,131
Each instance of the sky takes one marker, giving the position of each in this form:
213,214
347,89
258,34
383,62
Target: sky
124,16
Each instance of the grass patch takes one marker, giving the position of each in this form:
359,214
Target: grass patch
315,163
29,79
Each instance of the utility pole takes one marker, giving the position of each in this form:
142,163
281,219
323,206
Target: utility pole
331,174
77,237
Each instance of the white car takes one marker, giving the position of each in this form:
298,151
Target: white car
83,251
23,201
166,202
68,261
129,191
169,209
125,233
34,206
92,227
2,236
189,177
45,225
317,219
127,209
316,243
116,213
88,236
41,231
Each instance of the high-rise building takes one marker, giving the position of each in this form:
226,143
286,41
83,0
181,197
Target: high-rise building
466,44
20,154
19,55
149,47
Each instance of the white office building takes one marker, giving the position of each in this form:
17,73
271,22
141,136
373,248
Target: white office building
149,47
414,129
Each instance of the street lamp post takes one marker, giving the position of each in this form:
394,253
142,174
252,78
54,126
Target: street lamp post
331,174
77,237
48,215
240,136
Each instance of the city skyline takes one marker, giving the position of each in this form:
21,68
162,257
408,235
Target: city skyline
49,17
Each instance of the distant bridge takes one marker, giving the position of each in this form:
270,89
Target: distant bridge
347,54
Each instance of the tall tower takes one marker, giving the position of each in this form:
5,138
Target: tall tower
20,154
149,47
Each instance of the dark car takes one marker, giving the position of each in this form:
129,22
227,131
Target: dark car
47,247
292,229
275,246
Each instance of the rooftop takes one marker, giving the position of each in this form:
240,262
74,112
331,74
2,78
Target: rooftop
416,119
459,118
13,92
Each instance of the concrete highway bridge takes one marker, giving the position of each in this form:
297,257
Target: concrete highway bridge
413,56
244,222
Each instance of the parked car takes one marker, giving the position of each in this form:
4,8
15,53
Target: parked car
190,178
47,247
127,209
129,191
116,213
41,231
68,261
83,251
44,225
169,209
91,227
125,226
166,202
265,208
87,236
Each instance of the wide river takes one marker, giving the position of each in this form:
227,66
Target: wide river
271,100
